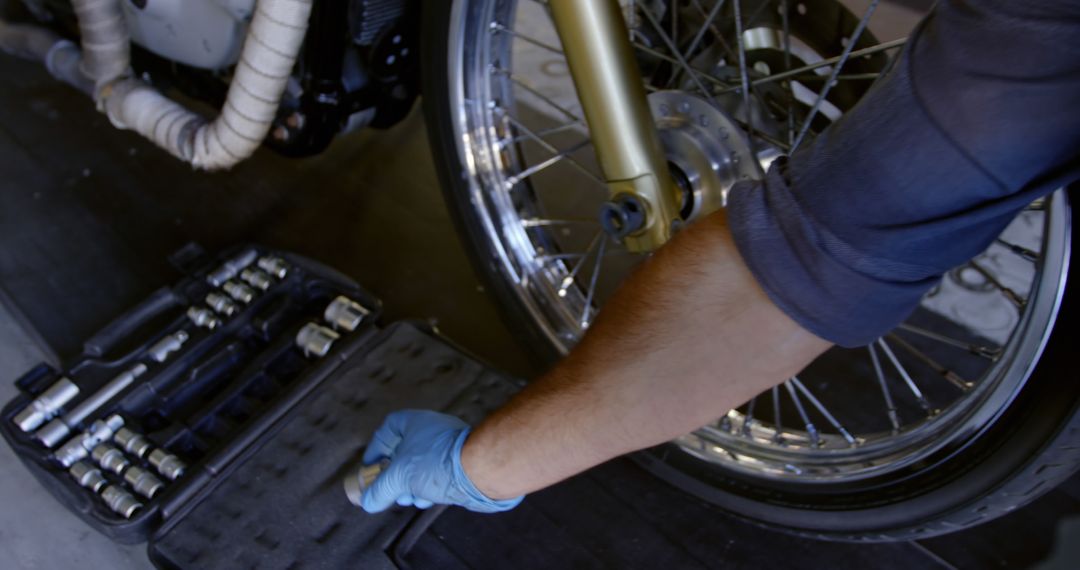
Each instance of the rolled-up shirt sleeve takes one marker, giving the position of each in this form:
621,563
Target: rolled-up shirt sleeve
980,116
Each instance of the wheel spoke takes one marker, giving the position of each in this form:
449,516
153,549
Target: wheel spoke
546,222
536,93
545,132
744,78
497,27
749,419
569,280
854,39
919,397
705,28
1009,294
540,167
890,406
786,24
823,63
815,437
690,71
979,350
777,424
550,148
949,375
814,401
592,285
1023,252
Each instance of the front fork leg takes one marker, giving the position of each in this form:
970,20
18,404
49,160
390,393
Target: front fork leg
644,206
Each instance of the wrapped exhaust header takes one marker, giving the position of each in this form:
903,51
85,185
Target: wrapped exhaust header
270,51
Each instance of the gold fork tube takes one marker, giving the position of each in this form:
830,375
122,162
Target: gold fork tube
608,81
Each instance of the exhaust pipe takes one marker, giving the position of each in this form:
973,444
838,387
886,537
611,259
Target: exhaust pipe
270,51
61,57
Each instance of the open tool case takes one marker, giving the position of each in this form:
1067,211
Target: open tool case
218,419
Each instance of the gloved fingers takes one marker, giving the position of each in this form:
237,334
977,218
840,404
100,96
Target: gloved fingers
406,500
423,504
384,491
386,438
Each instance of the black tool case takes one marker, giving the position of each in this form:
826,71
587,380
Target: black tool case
266,429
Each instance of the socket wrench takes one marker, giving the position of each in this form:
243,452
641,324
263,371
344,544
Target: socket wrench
358,480
161,350
110,458
345,314
120,501
134,443
274,266
238,291
256,278
88,476
143,481
202,317
77,448
221,304
47,405
169,465
315,340
231,267
61,427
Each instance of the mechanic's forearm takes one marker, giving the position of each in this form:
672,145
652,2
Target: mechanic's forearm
689,336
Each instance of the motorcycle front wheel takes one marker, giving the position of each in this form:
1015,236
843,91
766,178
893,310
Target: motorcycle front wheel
964,413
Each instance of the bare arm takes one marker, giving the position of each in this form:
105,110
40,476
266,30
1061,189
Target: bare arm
689,336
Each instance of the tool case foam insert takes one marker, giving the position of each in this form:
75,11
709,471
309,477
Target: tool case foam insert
265,404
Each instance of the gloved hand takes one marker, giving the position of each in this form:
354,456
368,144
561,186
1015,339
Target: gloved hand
424,449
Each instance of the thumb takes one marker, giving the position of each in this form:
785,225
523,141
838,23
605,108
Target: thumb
384,491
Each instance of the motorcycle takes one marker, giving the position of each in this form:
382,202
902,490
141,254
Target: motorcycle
572,138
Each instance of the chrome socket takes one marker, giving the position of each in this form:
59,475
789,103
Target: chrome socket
120,501
47,405
78,447
238,291
345,314
167,464
143,482
221,304
231,267
315,340
274,266
256,279
134,443
203,317
110,458
88,476
357,481
163,348
59,428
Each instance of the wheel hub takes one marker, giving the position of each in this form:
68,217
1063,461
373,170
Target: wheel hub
707,150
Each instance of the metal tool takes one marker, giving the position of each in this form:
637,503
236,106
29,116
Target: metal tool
169,465
221,304
256,278
120,501
110,458
134,443
163,348
88,476
315,340
143,481
274,266
231,267
47,405
203,317
61,427
239,291
358,480
78,447
345,314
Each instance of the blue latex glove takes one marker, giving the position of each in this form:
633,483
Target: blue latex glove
424,449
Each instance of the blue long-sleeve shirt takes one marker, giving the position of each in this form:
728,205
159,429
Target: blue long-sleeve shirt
980,117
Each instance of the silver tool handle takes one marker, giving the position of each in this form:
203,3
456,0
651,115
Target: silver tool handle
358,480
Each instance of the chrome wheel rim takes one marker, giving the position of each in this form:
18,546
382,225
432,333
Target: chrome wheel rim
556,263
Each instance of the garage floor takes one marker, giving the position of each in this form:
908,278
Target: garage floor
89,214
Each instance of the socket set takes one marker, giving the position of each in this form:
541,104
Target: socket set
166,399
